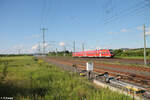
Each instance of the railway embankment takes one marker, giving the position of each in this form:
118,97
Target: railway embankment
68,63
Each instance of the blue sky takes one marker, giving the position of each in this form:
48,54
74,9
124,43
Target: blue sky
96,23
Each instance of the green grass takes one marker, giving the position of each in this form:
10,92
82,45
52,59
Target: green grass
132,53
127,57
25,78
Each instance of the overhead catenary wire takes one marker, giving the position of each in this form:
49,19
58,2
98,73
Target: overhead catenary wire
124,15
127,12
43,23
44,13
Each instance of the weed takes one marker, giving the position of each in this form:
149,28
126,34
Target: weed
43,81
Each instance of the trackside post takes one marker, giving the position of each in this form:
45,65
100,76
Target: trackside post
89,68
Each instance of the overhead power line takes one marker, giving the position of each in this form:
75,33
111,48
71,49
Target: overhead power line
144,45
129,11
44,13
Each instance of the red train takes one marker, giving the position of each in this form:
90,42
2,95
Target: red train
96,53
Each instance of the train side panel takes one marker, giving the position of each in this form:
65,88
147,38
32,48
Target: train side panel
96,53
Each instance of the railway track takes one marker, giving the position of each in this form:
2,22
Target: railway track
121,67
120,60
136,78
127,77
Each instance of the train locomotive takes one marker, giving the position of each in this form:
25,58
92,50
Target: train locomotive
95,53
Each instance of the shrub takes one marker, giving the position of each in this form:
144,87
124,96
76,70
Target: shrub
149,55
48,82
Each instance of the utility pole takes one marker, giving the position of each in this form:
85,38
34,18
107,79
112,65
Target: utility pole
144,45
39,48
56,51
64,51
43,29
19,51
74,46
82,46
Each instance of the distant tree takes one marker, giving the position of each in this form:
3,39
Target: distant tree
118,52
60,53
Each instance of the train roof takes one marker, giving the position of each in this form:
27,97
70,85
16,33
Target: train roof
94,50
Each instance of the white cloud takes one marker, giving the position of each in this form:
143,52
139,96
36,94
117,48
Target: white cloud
98,47
33,36
18,49
36,36
20,46
147,33
102,47
47,45
124,30
112,32
28,51
139,28
35,47
9,51
62,44
146,29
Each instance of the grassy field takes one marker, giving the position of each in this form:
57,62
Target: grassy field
131,57
132,53
26,78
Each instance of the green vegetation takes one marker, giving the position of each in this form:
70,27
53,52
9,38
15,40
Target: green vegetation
60,53
131,53
14,55
27,78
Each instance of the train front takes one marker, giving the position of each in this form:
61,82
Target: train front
111,53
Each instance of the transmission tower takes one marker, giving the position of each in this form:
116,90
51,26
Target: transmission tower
43,30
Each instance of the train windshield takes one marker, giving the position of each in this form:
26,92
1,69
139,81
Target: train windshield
111,51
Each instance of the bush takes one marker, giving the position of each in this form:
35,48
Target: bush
118,52
131,53
60,53
149,55
124,55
